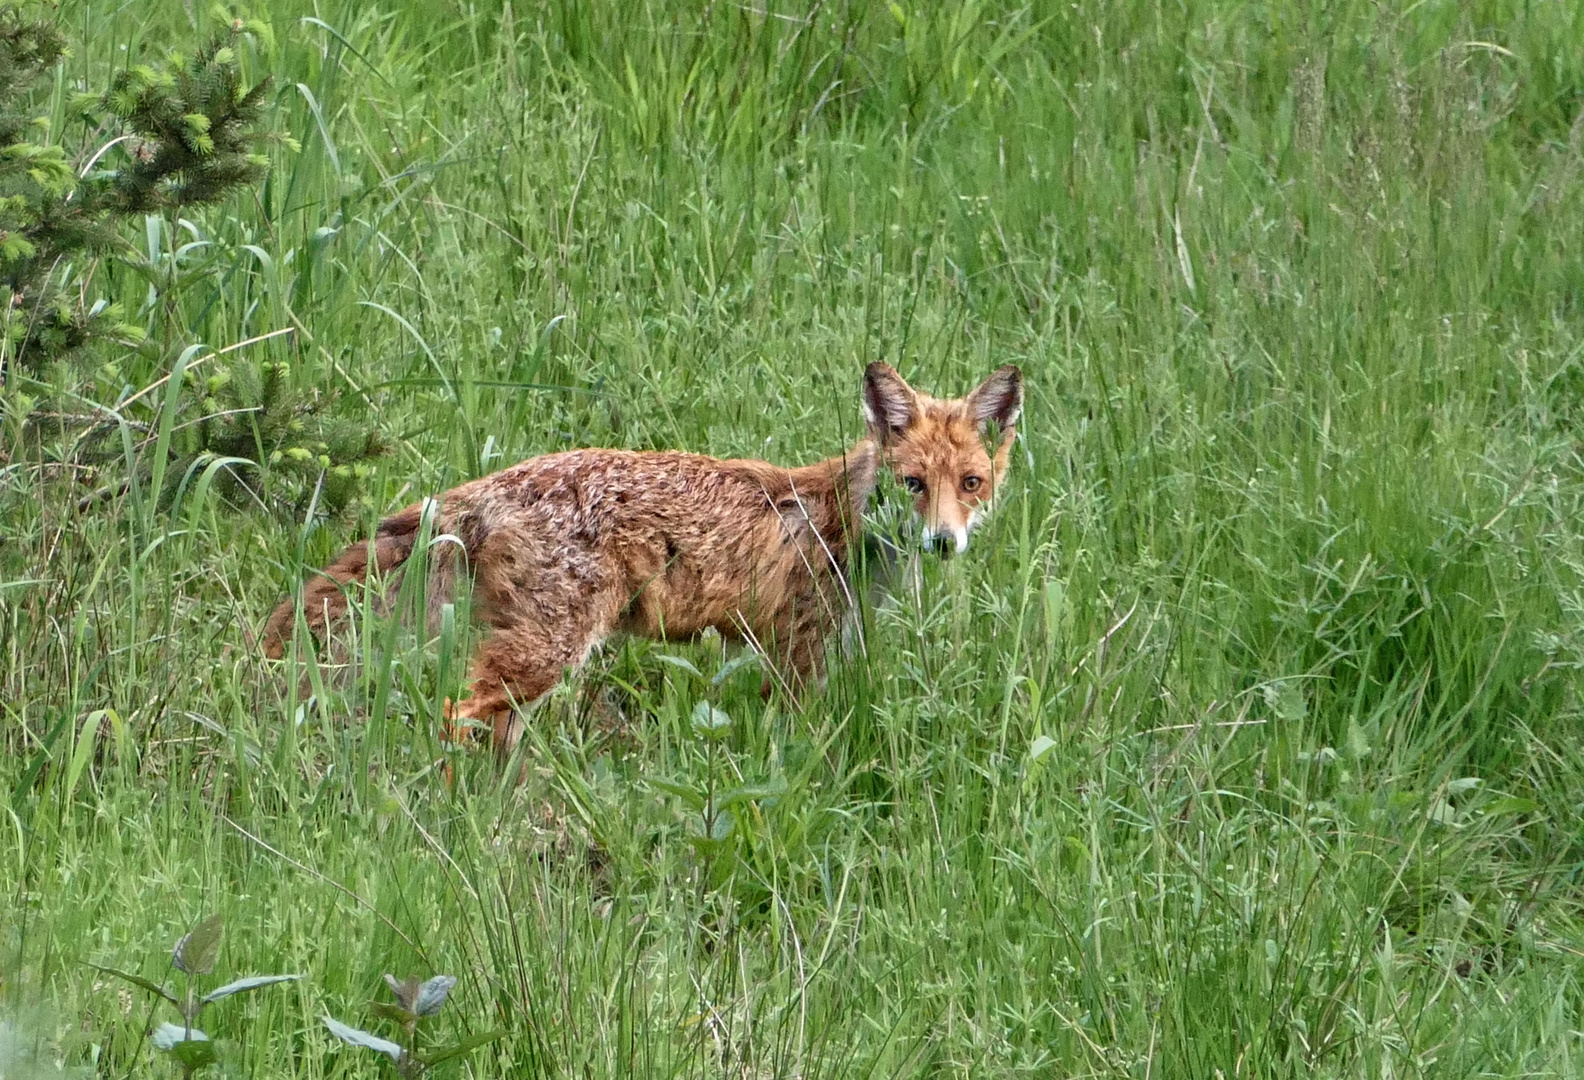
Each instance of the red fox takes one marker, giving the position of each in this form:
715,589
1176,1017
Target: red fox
566,549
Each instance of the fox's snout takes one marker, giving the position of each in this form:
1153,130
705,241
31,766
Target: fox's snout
946,533
945,537
945,543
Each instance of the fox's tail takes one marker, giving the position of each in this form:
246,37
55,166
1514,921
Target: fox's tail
324,598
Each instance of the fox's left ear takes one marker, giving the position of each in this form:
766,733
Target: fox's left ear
999,400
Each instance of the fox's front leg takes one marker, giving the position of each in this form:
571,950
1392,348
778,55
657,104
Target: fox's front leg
797,648
460,726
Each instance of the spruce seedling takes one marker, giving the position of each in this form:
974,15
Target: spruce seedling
189,136
416,1001
169,136
195,954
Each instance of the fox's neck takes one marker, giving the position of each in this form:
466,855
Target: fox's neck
850,476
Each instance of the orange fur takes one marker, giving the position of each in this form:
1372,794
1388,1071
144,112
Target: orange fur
566,549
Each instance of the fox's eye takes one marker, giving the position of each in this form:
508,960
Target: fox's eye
971,483
914,484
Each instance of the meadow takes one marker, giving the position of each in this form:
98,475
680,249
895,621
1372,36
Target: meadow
1244,741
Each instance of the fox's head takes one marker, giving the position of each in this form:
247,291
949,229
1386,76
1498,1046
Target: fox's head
951,455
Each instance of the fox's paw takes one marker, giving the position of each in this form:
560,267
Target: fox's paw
459,729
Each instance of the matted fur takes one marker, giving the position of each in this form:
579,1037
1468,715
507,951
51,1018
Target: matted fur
569,548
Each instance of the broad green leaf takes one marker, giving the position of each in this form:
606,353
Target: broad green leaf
357,1037
466,1046
1510,804
167,1036
394,1013
1357,742
197,952
709,721
707,847
242,986
681,789
1041,746
749,793
138,980
733,666
1286,700
719,832
682,663
1055,605
194,1054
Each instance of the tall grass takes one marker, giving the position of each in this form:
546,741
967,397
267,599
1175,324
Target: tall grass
1245,740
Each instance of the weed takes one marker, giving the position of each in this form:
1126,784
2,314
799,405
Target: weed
195,954
416,1001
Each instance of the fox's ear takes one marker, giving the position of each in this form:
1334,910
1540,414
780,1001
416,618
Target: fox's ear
999,399
889,404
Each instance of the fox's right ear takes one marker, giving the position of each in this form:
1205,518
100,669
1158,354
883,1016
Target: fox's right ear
889,404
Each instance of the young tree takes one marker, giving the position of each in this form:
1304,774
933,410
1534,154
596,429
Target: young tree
183,136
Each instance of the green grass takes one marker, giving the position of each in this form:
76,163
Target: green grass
1244,742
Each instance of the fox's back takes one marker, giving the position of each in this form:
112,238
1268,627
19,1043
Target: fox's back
609,496
685,536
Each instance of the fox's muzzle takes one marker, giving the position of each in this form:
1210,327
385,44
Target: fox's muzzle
946,543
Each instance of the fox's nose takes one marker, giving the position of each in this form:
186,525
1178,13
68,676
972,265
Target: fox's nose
940,544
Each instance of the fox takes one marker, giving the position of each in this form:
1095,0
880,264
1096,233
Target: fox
567,549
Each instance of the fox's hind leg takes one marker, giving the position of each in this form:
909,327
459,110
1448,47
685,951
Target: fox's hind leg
523,657
517,665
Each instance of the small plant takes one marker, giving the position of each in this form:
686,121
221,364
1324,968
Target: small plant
187,136
720,808
416,1001
195,954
